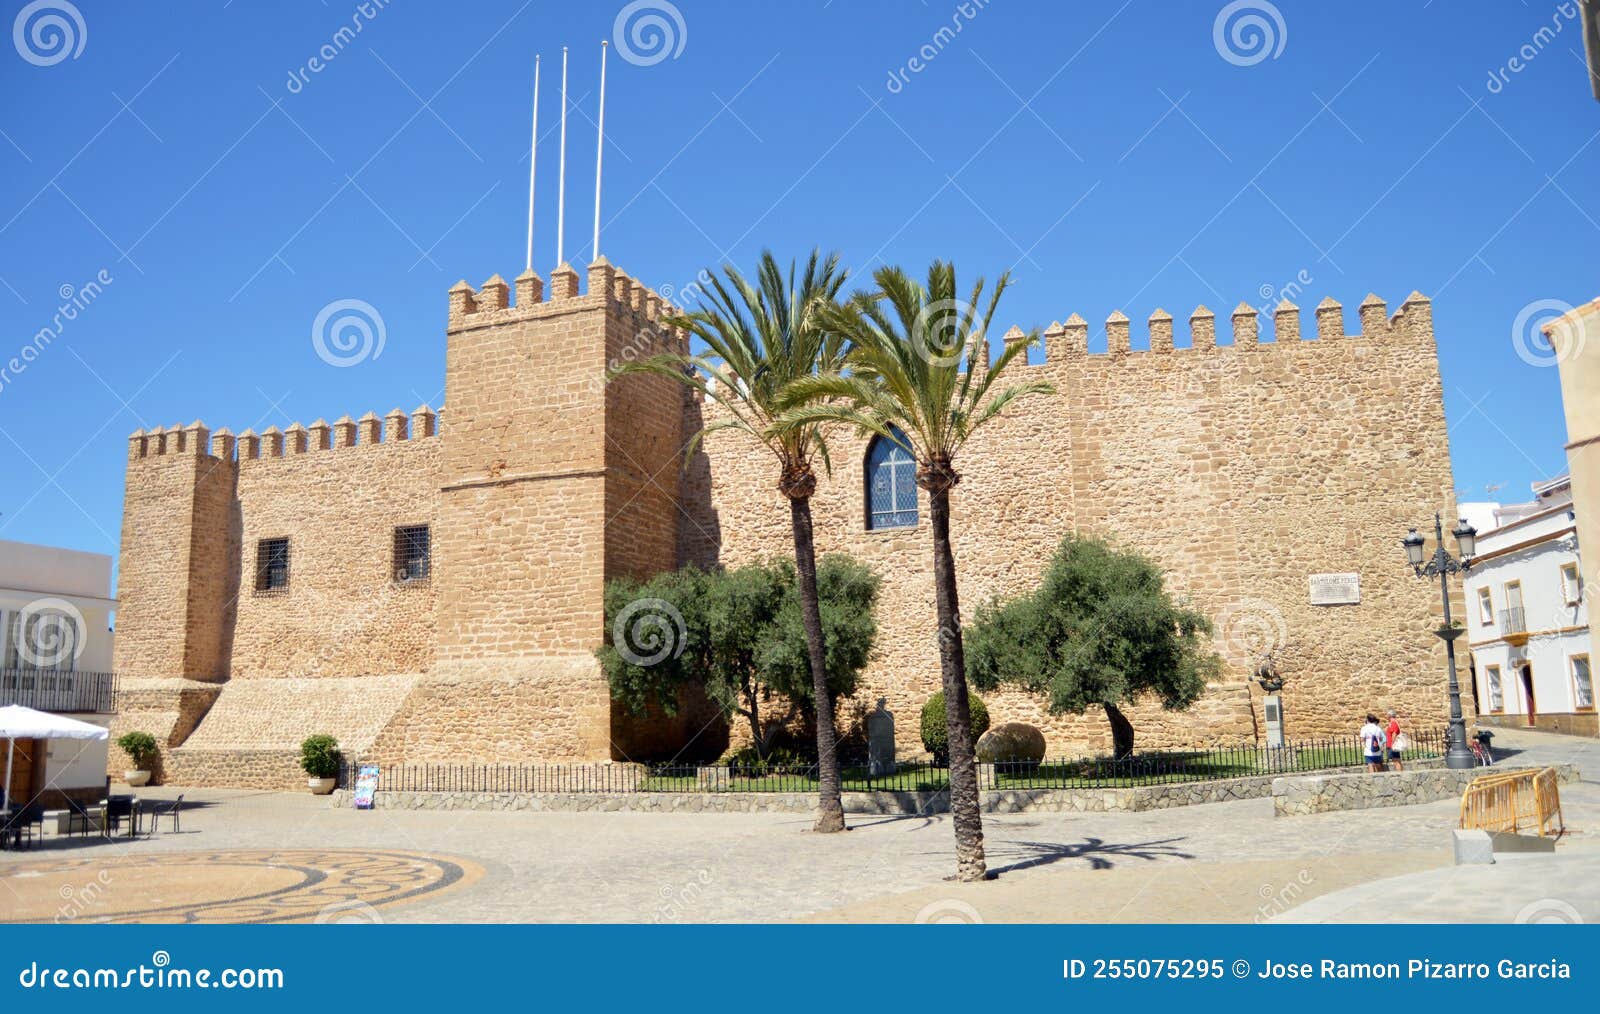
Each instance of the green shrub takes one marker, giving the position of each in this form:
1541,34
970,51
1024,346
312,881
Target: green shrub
935,738
319,756
747,761
140,747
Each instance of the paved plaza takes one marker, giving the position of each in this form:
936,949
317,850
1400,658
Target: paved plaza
255,856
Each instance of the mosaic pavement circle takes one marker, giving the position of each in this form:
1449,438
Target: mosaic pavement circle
234,886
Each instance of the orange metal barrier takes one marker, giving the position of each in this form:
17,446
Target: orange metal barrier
1517,801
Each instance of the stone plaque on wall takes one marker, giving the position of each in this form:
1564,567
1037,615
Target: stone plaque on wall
1335,589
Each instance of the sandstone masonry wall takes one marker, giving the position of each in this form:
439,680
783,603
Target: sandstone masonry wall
1240,469
337,494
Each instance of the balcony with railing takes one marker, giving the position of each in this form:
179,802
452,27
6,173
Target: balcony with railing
64,692
1513,625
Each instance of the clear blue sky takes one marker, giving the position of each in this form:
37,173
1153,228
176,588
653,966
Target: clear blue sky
1108,153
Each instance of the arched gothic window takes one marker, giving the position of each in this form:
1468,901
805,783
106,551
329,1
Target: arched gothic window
891,484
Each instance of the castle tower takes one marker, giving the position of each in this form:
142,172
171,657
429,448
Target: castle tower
176,573
552,481
176,577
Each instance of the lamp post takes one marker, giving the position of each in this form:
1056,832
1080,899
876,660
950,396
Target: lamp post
1457,755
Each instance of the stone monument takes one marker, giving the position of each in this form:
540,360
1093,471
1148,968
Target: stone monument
880,740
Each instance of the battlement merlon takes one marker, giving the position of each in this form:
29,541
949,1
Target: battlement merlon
196,440
1412,322
606,285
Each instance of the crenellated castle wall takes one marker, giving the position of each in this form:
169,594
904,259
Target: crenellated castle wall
336,492
1241,469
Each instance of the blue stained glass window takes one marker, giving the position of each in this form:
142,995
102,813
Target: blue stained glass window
891,484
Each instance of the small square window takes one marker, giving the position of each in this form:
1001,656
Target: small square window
413,554
272,565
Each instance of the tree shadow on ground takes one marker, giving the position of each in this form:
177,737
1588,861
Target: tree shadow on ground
854,820
1100,854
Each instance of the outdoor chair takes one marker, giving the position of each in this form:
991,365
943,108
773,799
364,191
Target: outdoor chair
27,822
159,810
82,819
119,809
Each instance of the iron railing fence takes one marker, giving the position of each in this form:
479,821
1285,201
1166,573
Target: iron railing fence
1150,768
48,690
1159,767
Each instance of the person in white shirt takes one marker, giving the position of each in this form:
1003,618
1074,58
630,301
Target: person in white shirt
1372,744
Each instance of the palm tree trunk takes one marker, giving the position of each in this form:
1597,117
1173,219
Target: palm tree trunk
830,806
964,810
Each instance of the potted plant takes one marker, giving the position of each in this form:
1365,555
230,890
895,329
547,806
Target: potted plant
141,750
319,757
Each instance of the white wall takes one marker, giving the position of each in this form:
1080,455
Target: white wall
1530,553
49,570
30,574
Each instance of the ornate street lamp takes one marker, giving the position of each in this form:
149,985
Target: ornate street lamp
1457,755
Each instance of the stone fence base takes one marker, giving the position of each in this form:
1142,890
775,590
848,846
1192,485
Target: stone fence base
1144,797
1293,797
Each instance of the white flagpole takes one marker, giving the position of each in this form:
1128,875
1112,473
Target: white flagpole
533,159
561,191
600,148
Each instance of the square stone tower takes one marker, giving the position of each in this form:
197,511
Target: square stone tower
553,480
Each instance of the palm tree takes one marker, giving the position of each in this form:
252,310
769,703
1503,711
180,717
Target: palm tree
760,340
918,363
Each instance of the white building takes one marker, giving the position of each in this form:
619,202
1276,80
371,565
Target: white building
55,655
1527,621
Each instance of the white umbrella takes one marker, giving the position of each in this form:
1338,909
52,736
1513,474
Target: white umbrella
17,722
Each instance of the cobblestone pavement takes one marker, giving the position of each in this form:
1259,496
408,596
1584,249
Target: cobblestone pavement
1224,861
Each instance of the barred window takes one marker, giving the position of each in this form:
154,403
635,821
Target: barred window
413,556
272,565
891,483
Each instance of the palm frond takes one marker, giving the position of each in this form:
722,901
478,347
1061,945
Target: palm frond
904,373
761,335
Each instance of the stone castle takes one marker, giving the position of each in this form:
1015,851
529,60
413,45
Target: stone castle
428,587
